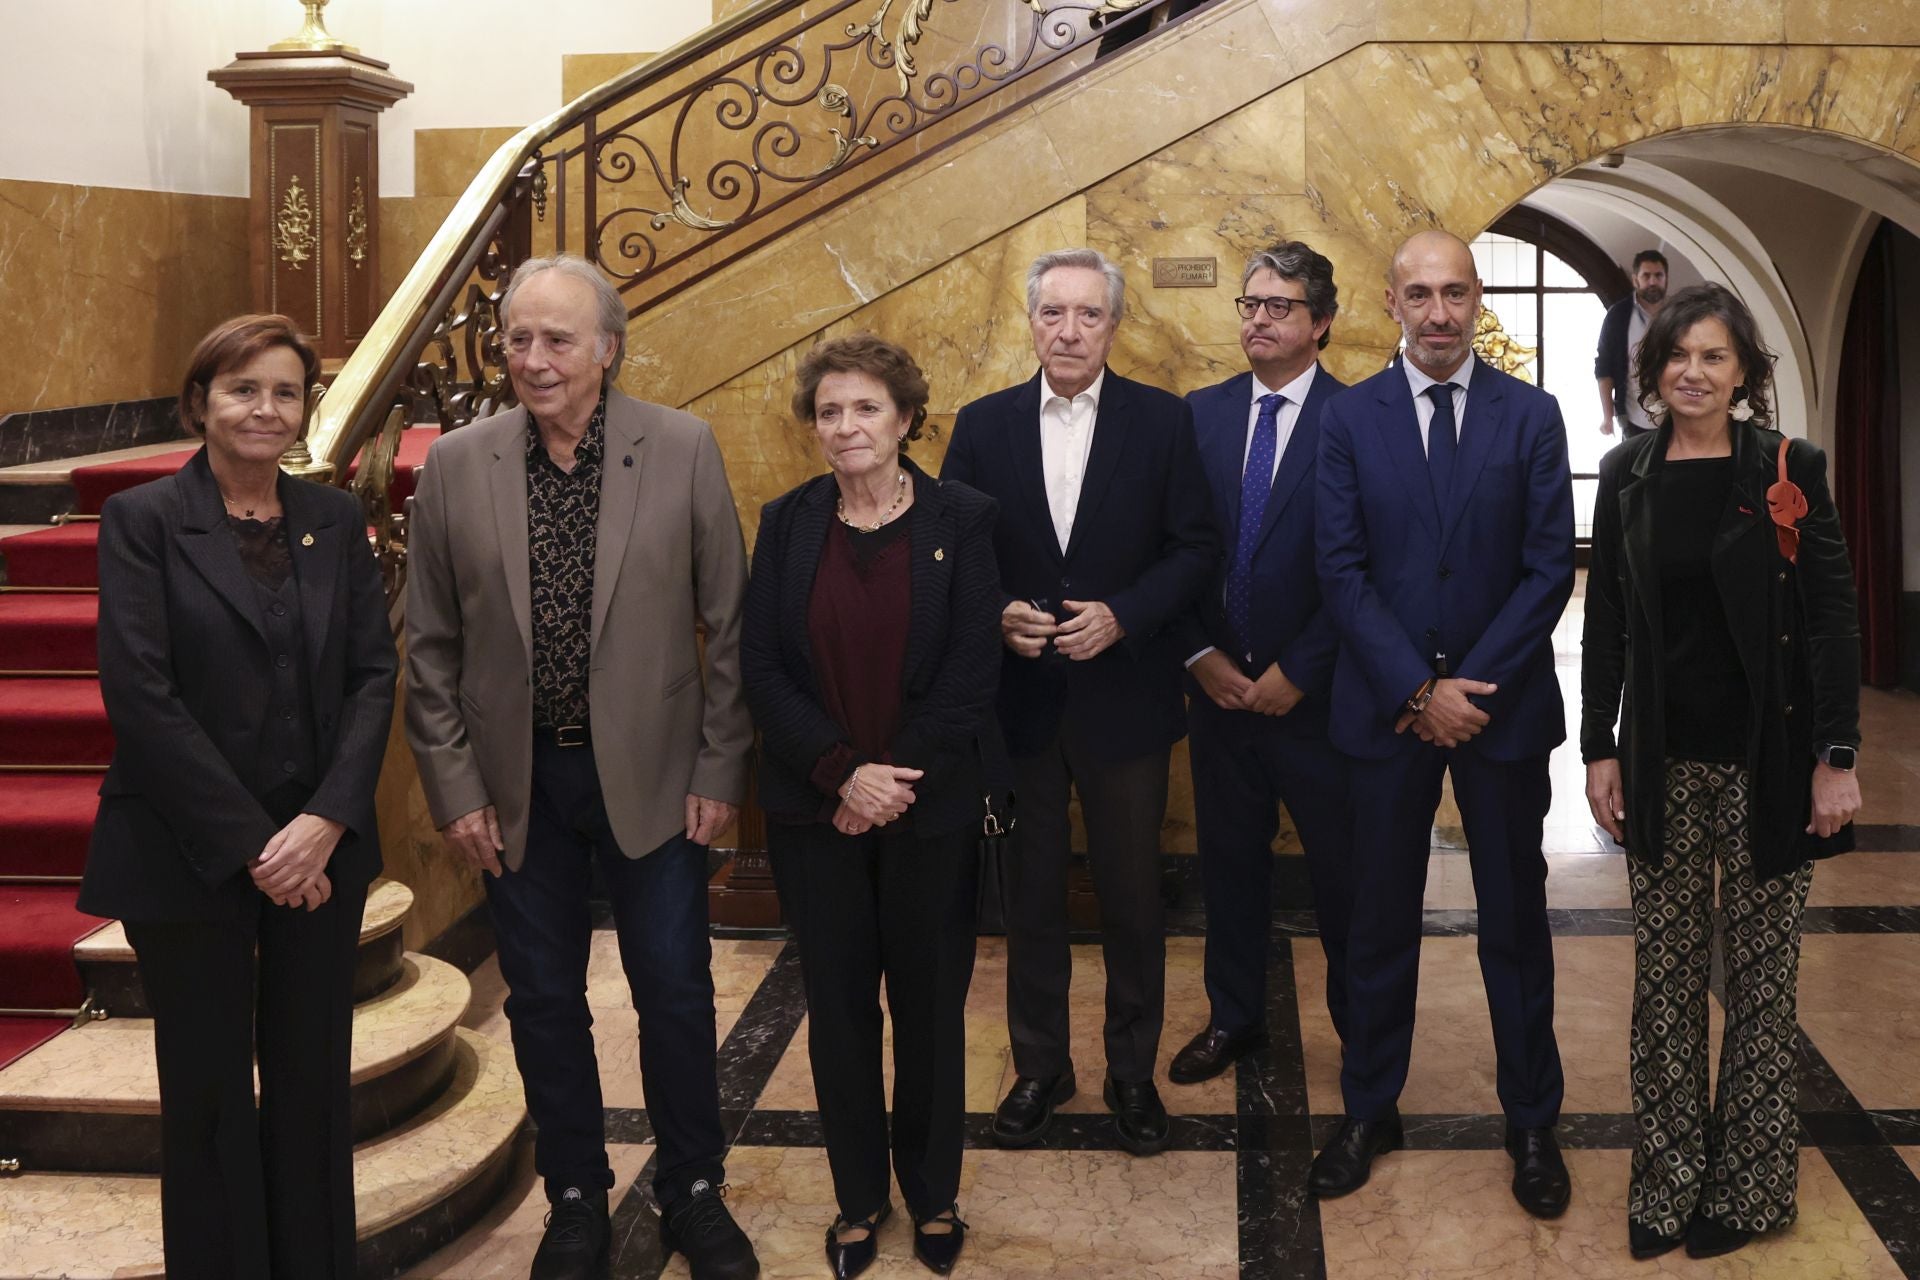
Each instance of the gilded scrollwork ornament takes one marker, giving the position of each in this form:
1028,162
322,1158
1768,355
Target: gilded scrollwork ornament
357,226
294,235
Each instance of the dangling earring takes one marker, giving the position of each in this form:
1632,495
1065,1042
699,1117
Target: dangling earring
1742,410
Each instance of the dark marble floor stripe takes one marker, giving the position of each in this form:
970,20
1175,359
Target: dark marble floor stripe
1880,1182
747,1058
1278,1222
1886,837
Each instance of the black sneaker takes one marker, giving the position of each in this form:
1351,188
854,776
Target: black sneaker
575,1245
701,1228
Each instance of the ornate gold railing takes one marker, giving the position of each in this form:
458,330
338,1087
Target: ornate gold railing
679,167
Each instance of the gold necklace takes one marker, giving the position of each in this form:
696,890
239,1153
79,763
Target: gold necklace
900,496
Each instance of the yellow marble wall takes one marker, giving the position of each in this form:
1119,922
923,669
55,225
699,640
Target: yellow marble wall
104,291
1378,139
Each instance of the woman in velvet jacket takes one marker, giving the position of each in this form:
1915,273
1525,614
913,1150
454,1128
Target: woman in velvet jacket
247,668
1728,648
870,651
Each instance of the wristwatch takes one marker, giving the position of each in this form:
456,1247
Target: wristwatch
1422,696
1835,756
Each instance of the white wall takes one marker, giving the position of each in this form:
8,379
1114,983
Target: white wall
114,93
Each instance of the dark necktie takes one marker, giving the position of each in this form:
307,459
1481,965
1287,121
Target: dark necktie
1256,483
1442,440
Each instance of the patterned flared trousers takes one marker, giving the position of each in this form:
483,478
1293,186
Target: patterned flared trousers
1738,1164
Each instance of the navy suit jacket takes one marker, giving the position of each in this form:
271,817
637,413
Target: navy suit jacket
1287,623
1483,581
1143,542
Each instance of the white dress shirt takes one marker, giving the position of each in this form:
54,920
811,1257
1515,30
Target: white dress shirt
1066,438
1423,407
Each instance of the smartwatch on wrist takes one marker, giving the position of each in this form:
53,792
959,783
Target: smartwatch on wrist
1836,756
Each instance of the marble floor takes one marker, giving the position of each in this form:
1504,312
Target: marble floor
1227,1200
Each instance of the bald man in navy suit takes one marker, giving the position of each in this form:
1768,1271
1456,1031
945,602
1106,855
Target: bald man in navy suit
1445,528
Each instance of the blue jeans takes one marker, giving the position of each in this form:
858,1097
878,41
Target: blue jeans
543,929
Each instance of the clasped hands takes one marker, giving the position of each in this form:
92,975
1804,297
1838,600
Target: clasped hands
877,794
292,869
1229,688
1449,719
1091,631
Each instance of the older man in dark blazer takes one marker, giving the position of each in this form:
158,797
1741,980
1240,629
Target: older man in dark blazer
1104,540
562,555
1445,527
1260,657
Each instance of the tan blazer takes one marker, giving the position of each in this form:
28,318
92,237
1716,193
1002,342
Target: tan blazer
668,554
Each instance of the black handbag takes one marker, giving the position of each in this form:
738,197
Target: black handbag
995,850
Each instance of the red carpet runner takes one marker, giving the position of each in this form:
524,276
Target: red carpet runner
55,741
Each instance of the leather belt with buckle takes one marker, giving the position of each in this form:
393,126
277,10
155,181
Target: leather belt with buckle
565,735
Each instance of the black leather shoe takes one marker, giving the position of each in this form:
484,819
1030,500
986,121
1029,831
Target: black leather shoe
1024,1114
1644,1242
939,1250
575,1245
1347,1160
1709,1239
1139,1115
701,1228
1213,1051
1540,1181
849,1258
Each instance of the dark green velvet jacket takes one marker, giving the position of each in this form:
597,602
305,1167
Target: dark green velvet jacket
1795,626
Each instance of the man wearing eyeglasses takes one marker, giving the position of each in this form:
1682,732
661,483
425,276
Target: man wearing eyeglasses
1260,657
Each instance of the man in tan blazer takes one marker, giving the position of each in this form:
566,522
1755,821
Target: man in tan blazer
560,557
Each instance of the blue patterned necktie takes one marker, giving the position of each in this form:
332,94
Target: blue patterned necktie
1256,483
1442,440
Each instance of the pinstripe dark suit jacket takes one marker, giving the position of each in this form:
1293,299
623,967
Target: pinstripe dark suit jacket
952,664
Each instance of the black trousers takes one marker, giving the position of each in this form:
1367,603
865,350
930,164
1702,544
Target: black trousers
246,1193
884,904
1245,766
1123,804
544,930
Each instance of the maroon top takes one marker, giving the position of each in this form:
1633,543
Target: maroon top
857,627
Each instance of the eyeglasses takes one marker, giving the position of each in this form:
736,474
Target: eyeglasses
1277,308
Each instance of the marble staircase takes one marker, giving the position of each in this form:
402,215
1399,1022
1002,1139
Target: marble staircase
436,1110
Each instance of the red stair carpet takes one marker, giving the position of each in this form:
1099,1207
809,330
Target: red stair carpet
55,741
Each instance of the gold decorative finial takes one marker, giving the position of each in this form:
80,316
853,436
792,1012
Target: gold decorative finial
313,35
1492,343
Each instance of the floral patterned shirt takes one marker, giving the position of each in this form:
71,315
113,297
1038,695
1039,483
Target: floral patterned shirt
563,510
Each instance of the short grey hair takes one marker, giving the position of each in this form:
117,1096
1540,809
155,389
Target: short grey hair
1299,262
1091,260
609,306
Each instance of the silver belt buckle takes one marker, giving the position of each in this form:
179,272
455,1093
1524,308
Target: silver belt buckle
569,735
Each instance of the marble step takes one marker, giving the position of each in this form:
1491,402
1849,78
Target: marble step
36,492
89,1100
107,965
415,1188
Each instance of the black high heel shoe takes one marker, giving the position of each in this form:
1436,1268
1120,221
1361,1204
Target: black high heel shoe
849,1258
939,1250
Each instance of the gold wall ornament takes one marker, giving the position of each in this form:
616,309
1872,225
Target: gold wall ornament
1491,343
313,36
293,233
357,226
